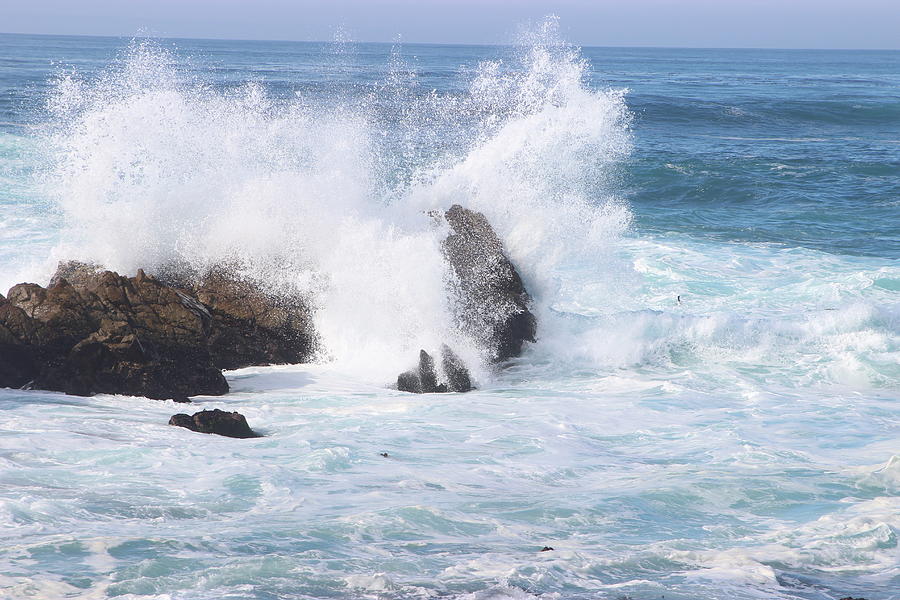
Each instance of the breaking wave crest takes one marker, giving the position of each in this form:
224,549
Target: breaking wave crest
326,191
329,196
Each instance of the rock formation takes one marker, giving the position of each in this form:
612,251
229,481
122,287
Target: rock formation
169,337
424,379
490,303
106,333
251,327
220,422
458,379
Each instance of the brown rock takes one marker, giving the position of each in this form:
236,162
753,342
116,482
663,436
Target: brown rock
95,331
17,364
114,334
251,327
75,272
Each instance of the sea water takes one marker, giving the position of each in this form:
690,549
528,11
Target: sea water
711,240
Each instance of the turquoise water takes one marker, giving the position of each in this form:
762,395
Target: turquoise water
741,443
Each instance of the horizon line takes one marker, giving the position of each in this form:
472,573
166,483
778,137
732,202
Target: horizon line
492,44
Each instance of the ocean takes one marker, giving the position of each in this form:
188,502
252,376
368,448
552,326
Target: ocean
711,241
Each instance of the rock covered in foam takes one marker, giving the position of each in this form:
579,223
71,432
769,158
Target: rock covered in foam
76,272
491,303
424,379
458,379
219,422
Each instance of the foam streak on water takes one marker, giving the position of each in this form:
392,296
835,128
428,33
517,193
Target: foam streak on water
740,443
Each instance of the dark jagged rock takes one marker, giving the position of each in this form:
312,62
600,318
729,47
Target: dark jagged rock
94,331
457,374
492,305
219,422
427,372
490,302
423,380
251,327
17,364
117,335
409,381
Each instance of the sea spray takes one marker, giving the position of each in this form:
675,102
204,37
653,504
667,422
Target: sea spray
152,167
330,197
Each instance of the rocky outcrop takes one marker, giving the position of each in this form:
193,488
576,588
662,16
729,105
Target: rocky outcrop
219,422
17,364
491,303
251,327
114,334
424,379
455,372
76,272
107,333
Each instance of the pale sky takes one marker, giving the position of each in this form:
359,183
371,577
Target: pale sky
691,23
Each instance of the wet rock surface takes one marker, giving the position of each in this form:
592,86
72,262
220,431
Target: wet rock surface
107,333
251,327
421,380
458,379
491,305
219,422
424,379
17,365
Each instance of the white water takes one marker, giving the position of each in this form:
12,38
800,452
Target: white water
741,444
149,168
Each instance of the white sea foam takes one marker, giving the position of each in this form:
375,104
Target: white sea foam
149,167
330,198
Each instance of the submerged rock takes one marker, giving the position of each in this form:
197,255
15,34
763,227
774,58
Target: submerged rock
219,422
492,305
